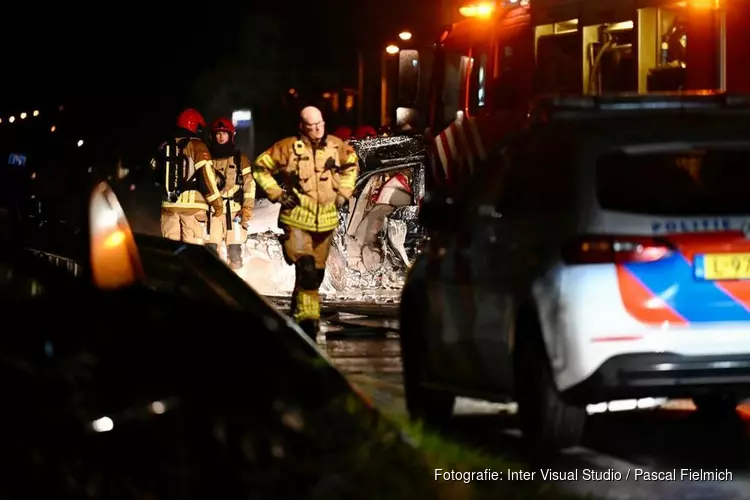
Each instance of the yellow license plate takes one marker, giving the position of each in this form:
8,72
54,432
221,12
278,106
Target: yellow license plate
727,266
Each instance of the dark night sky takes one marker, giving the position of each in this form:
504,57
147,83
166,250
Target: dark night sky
125,63
128,45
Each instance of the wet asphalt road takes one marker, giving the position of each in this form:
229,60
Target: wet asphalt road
365,348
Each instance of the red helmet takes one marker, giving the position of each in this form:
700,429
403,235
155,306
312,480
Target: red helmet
191,120
365,131
343,133
223,125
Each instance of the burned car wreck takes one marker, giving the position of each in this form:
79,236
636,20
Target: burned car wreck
378,236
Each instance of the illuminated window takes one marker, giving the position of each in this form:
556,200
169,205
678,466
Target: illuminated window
478,80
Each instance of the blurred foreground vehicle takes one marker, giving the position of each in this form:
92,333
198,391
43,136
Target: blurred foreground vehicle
604,254
133,393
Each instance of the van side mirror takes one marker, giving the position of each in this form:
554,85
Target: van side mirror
408,78
437,211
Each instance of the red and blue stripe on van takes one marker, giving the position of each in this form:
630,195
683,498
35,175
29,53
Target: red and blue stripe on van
658,281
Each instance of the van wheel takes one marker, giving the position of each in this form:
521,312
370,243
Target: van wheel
548,423
715,404
432,407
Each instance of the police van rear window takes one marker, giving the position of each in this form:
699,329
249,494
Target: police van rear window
684,182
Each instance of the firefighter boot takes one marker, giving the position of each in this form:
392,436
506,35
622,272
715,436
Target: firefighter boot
213,248
234,255
311,327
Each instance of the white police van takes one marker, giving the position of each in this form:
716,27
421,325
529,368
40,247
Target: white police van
607,257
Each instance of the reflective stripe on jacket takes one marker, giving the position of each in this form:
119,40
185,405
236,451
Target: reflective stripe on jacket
317,174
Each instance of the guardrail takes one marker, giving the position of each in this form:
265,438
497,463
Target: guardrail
69,265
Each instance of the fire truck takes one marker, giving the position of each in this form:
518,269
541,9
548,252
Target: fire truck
508,52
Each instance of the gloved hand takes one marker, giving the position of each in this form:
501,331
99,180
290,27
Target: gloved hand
340,201
246,215
218,208
289,200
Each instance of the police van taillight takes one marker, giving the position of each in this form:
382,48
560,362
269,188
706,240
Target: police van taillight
611,249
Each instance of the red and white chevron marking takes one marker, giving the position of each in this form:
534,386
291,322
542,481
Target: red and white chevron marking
459,149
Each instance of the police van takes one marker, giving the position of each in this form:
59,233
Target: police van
605,255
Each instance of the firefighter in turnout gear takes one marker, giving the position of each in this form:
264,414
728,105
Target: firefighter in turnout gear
238,194
184,166
317,173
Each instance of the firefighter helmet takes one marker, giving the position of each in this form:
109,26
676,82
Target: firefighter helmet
223,125
344,133
365,132
191,120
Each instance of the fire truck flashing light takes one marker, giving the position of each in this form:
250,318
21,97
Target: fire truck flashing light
703,4
485,9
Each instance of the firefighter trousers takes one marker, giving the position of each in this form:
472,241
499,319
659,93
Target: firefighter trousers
235,237
308,252
219,231
187,226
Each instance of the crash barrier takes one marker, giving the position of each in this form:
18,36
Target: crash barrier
57,241
69,265
60,247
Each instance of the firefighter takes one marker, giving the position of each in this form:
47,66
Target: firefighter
184,165
317,173
238,194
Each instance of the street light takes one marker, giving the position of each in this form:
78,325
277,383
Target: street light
392,49
405,35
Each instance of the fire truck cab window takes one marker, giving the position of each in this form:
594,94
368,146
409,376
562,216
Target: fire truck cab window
647,55
611,58
669,69
478,80
558,57
456,65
